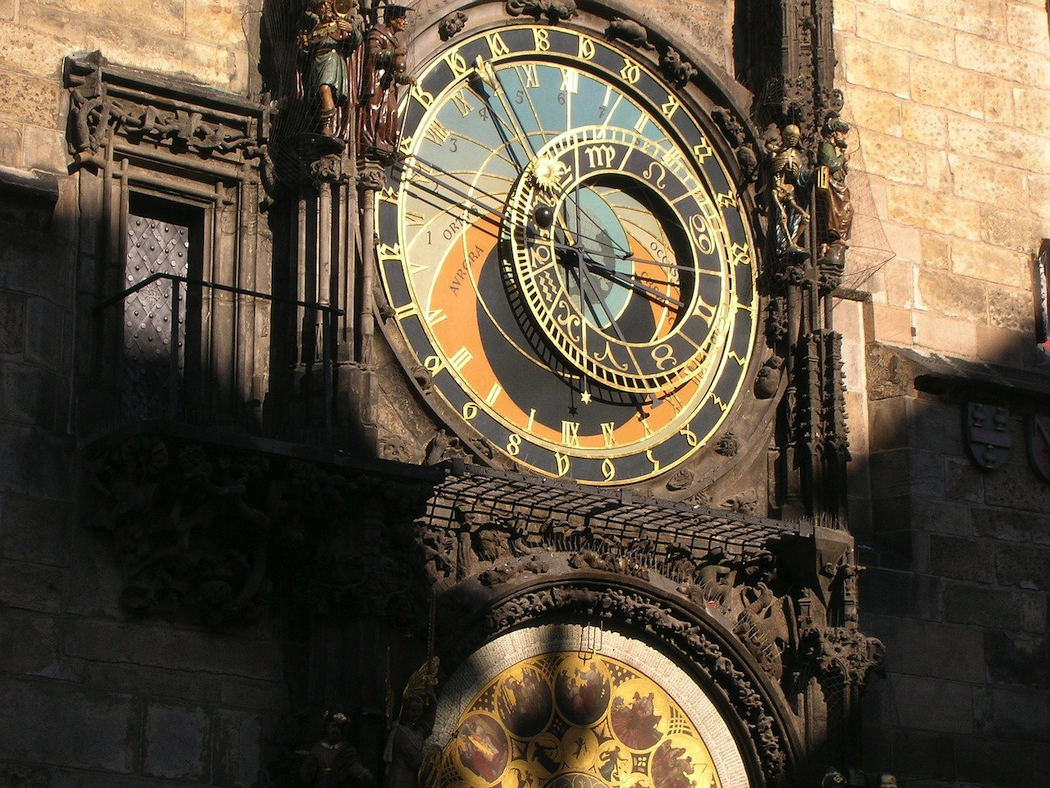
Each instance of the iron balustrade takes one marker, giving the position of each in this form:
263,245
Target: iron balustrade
328,316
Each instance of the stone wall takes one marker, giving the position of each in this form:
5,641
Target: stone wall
950,102
204,42
89,697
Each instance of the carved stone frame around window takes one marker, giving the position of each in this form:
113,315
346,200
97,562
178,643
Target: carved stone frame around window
191,151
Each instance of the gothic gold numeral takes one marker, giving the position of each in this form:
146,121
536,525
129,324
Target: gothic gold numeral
669,107
460,100
689,435
514,445
570,433
703,150
457,63
586,49
570,80
497,45
541,38
631,71
408,310
608,469
530,76
563,463
649,456
470,411
422,96
437,133
646,429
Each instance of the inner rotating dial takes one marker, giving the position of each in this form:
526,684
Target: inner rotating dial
605,263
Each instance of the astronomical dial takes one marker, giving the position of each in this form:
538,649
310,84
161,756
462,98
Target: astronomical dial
567,256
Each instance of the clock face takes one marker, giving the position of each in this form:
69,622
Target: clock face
567,256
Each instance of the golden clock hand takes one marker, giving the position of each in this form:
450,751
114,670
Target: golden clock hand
485,74
475,205
615,276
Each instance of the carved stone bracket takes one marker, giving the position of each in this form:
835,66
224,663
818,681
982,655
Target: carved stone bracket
451,25
218,533
843,654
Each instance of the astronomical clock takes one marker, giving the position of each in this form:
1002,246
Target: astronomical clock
566,245
593,326
539,331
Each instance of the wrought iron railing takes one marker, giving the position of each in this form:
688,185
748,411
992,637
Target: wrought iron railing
174,316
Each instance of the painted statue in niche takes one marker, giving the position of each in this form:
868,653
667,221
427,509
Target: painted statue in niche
566,720
789,186
384,71
836,207
331,75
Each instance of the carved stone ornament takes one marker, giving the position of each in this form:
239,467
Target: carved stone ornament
986,430
199,529
628,31
371,177
99,109
452,24
553,10
768,380
843,654
728,445
677,69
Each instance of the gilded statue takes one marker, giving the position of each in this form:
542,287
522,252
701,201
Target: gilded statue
407,755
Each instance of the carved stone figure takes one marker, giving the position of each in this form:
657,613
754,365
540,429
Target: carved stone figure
452,24
406,750
554,10
383,74
833,194
629,31
768,380
328,43
333,762
788,183
676,68
833,778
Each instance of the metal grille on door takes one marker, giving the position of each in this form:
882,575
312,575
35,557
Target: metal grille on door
151,375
